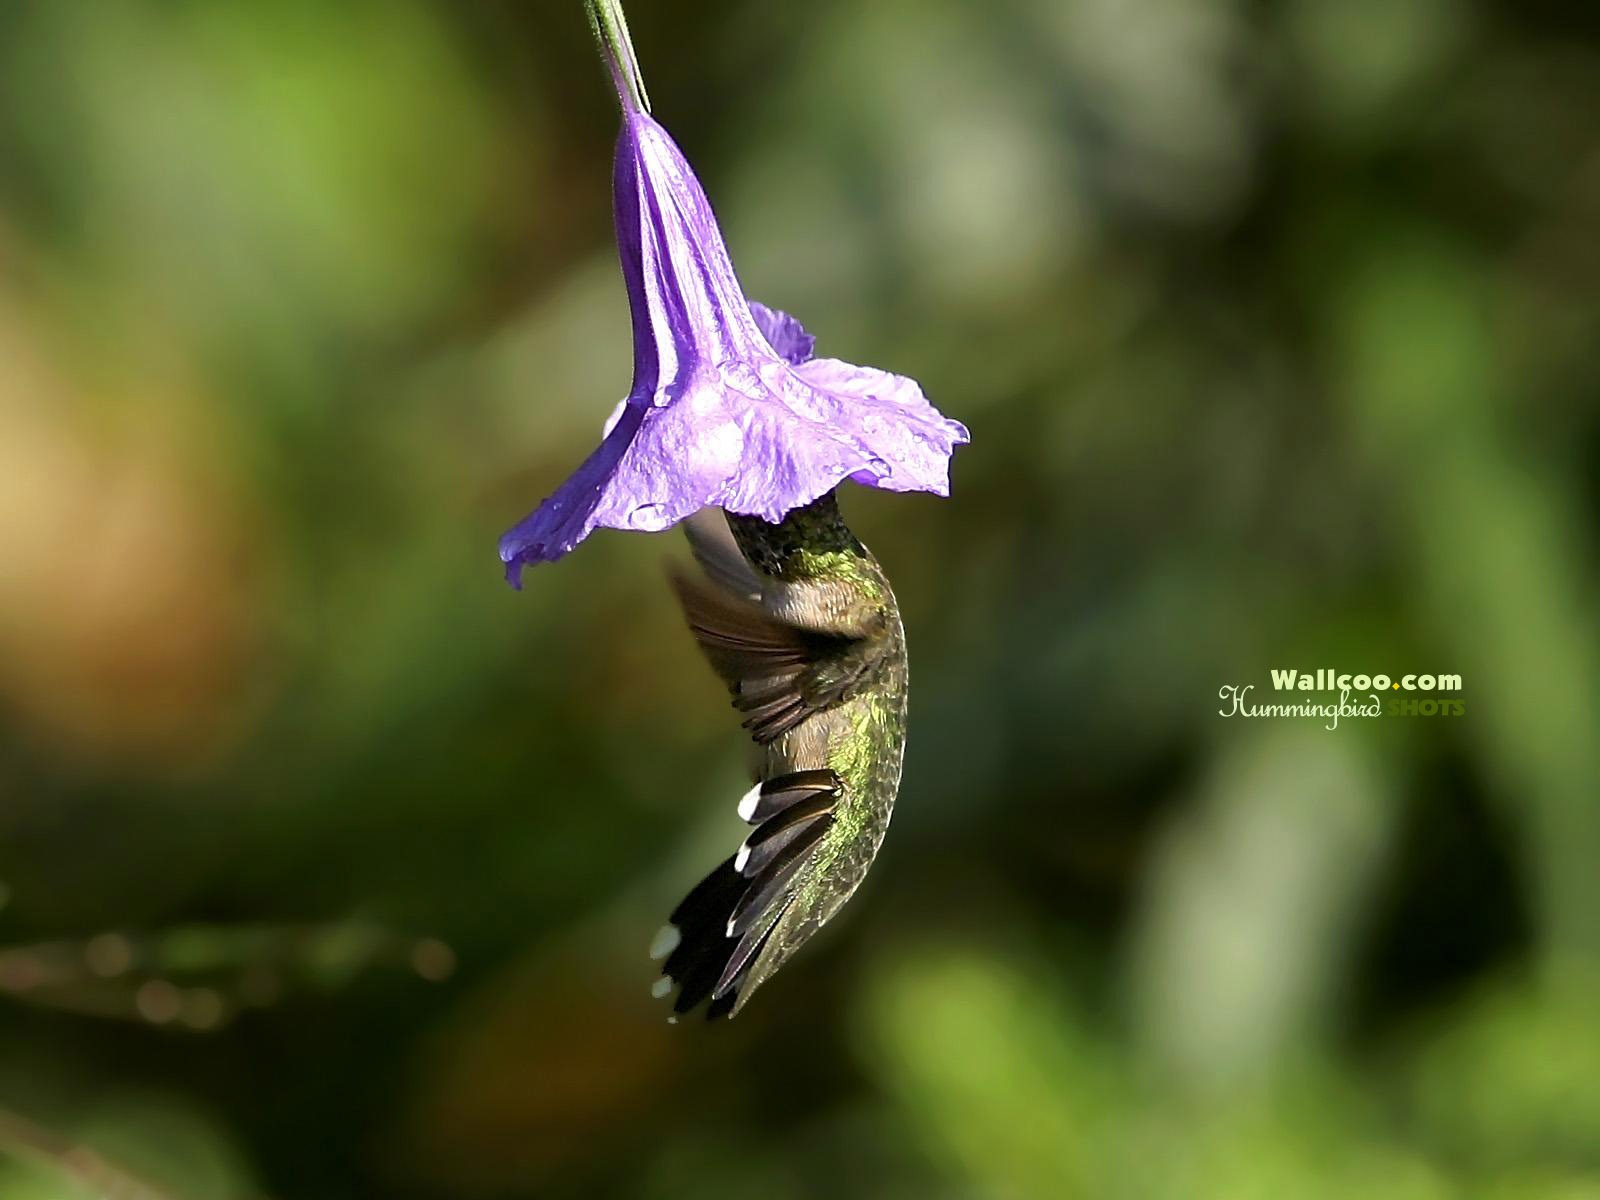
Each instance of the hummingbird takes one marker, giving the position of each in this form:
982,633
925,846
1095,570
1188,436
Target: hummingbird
799,621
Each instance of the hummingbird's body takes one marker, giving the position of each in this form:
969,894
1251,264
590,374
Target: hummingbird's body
801,623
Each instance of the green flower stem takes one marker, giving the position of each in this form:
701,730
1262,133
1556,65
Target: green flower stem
611,28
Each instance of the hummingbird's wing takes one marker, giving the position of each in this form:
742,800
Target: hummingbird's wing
711,542
779,673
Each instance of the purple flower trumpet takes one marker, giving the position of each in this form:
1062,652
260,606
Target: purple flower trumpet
728,407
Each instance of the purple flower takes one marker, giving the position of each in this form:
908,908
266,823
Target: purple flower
728,407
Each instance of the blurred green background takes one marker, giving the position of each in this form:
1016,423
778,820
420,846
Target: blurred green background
328,862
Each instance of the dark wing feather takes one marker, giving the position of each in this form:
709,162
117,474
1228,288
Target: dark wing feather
779,674
741,641
711,542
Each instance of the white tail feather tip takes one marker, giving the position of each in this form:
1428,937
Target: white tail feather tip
661,987
665,942
747,804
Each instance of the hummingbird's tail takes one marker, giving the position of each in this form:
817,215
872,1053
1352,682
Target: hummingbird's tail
696,944
717,935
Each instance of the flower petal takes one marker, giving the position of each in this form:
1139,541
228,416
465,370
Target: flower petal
567,515
787,337
755,439
684,296
908,440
